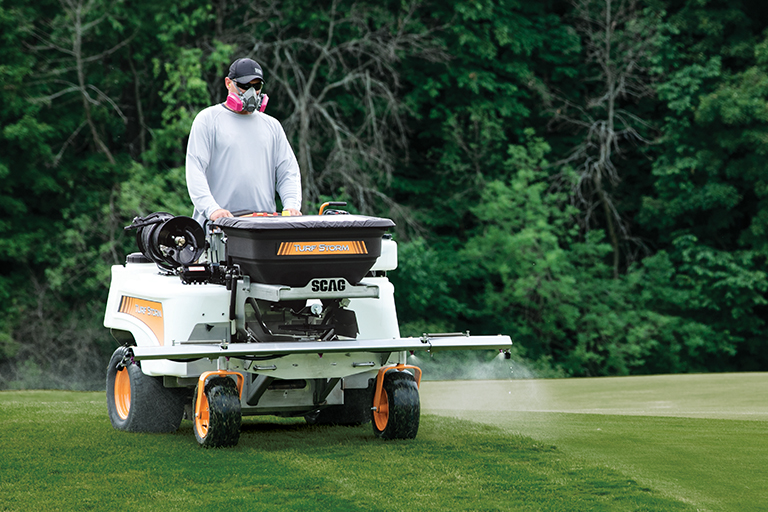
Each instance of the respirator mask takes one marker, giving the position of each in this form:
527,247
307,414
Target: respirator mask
248,101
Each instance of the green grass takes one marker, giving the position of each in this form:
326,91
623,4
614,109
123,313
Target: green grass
60,453
698,438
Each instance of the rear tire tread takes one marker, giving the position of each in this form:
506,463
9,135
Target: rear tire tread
153,407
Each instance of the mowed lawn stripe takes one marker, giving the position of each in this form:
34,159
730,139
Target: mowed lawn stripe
700,438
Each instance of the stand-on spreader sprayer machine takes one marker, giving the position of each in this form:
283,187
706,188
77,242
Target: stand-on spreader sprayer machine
264,314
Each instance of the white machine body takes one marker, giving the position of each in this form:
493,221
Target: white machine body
179,330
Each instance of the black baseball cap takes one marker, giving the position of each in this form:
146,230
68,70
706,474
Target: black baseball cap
245,70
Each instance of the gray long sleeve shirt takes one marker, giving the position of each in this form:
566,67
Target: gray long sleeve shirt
236,162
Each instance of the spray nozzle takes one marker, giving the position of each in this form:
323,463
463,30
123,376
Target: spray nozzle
507,354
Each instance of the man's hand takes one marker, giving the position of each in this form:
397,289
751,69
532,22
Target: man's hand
293,211
221,212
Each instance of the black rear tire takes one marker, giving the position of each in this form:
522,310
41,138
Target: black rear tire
221,415
356,409
137,402
400,397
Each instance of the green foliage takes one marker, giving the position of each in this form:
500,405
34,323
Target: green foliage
706,305
551,290
183,95
95,111
469,109
708,172
422,292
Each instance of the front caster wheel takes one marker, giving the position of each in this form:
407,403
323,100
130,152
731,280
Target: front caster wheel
396,416
137,402
217,424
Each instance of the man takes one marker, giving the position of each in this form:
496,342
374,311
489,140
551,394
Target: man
237,156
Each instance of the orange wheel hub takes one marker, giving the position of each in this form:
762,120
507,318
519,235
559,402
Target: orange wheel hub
123,393
381,414
202,418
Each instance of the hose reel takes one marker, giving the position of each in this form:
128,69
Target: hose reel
169,241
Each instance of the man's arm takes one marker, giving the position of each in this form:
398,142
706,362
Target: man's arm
198,156
287,175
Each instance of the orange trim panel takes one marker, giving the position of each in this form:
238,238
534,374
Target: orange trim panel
148,311
321,248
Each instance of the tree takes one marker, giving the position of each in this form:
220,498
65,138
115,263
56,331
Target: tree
699,185
333,75
69,35
341,76
707,209
619,40
468,110
546,285
704,308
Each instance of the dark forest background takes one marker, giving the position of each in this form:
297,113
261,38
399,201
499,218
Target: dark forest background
588,177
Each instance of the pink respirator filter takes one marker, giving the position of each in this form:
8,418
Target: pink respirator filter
236,104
